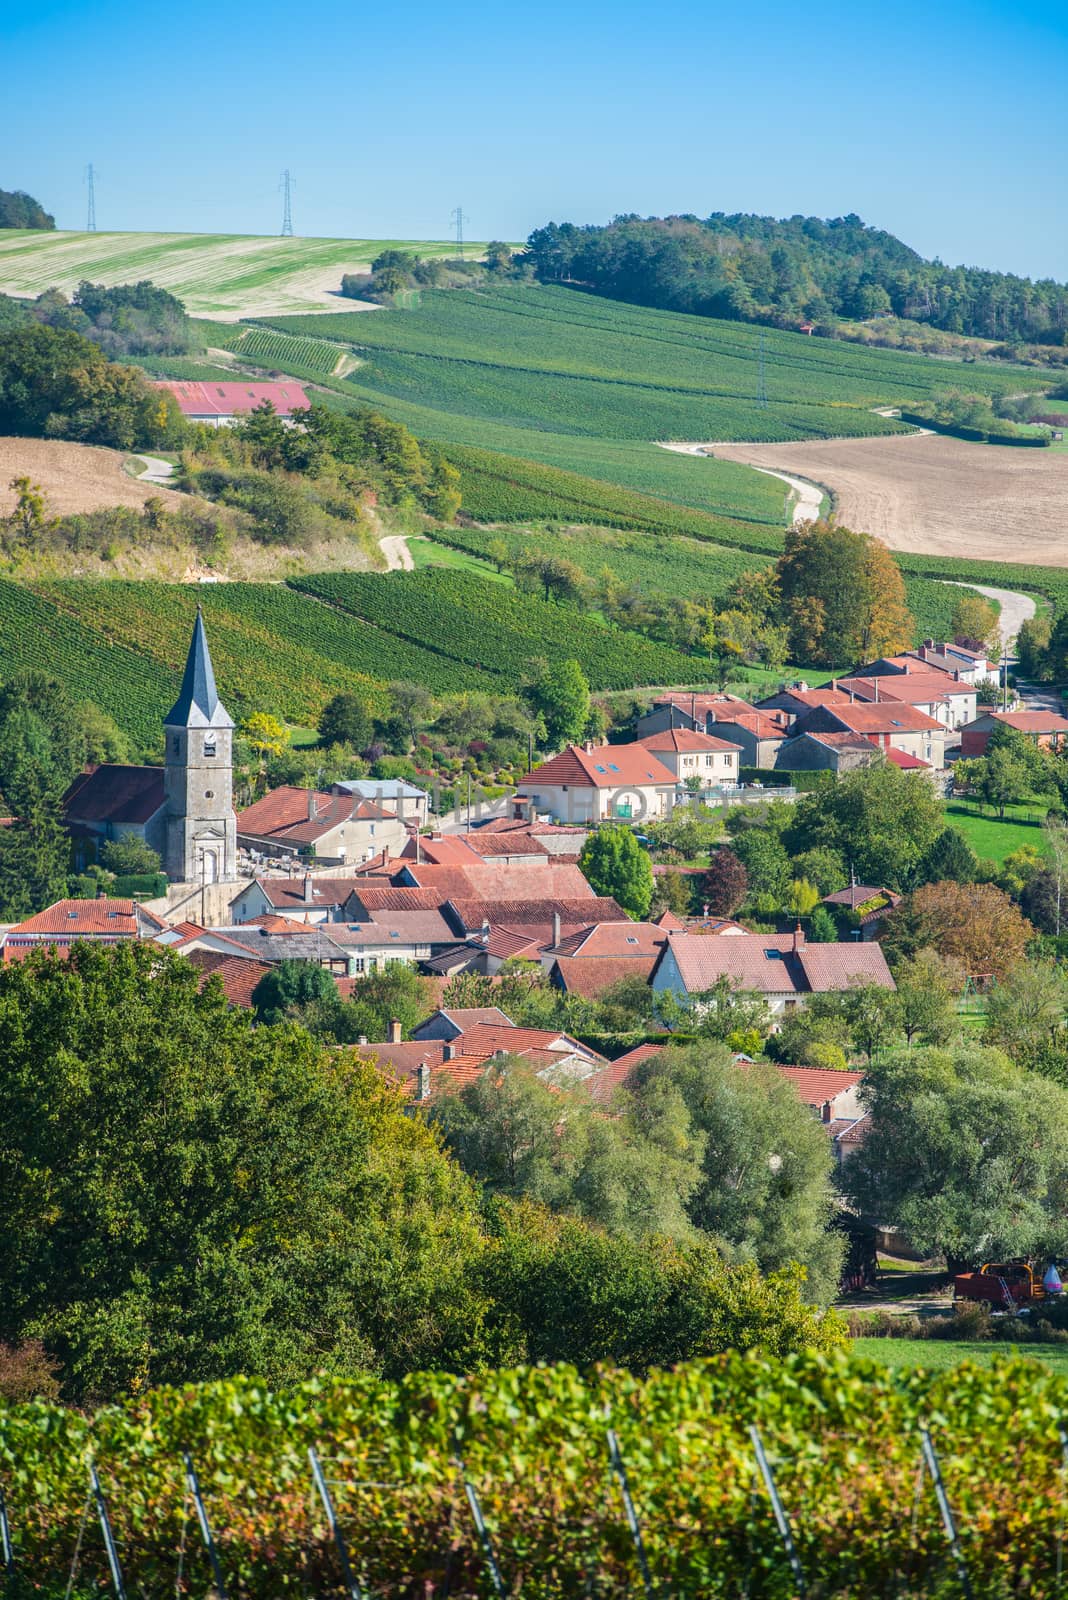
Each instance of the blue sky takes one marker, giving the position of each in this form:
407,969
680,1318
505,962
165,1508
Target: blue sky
943,122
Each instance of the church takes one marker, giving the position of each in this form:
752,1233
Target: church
183,810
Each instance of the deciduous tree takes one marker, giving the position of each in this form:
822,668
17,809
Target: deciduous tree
843,595
615,864
974,923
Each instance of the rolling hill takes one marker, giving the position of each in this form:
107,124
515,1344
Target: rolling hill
225,276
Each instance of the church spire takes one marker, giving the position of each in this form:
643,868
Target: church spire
198,704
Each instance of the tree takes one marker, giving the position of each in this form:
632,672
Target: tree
822,866
413,704
843,595
189,1196
289,986
1055,848
614,864
803,898
561,695
766,864
967,1154
822,928
951,856
880,819
396,993
974,923
999,779
20,210
563,1291
764,1190
671,892
30,517
265,735
725,1012
1026,1010
129,855
1032,648
871,1015
927,990
525,1137
726,883
56,383
346,719
976,621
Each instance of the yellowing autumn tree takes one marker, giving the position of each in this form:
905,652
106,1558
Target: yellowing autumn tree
843,596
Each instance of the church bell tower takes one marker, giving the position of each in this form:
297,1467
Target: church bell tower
201,838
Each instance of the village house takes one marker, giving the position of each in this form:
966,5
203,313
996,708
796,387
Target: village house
937,694
595,958
597,783
969,666
696,712
337,829
889,726
219,405
826,752
403,799
869,903
1047,729
70,922
694,758
427,1066
782,968
307,897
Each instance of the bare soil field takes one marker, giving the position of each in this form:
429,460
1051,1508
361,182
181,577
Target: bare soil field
75,477
933,494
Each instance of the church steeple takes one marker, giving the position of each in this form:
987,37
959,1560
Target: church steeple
201,830
198,704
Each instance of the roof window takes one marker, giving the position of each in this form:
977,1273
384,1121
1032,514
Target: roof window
773,955
631,939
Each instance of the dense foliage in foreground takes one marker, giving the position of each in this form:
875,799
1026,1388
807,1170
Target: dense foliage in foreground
842,1437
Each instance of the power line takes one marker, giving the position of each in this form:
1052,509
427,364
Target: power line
286,184
90,178
458,220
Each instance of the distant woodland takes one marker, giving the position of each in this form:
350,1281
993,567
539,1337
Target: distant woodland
801,270
19,210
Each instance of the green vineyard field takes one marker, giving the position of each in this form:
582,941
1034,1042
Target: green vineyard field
498,629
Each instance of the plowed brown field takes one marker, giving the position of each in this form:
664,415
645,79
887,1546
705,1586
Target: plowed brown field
75,477
934,494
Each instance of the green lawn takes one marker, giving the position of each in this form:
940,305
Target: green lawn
430,553
997,837
941,1355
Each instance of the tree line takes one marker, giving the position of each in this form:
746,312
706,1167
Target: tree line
791,271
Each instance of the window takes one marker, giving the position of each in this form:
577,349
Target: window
631,939
209,747
359,964
209,794
773,955
176,745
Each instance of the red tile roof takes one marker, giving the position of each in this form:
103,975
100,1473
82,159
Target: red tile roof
230,399
703,703
284,814
758,723
886,717
770,964
615,939
84,918
287,894
687,741
590,976
907,763
237,976
911,688
606,766
603,1084
1032,721
115,794
525,915
817,1085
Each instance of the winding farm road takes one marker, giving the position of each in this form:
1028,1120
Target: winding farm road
156,470
1016,609
395,549
809,495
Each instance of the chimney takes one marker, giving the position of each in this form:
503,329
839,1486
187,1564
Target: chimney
799,939
485,930
556,928
704,909
393,1034
361,1039
422,1081
309,887
448,1050
588,747
313,805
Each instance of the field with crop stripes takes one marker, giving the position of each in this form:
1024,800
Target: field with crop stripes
283,350
497,629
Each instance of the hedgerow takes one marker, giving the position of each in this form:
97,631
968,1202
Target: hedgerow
842,1437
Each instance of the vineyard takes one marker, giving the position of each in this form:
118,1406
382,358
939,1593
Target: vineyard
497,629
610,1485
281,350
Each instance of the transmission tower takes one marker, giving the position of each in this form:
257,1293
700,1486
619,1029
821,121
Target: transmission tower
458,220
762,372
90,178
286,185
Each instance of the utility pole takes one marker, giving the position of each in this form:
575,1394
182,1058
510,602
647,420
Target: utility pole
90,178
286,184
458,220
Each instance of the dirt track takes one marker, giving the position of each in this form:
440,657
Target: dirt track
934,494
75,477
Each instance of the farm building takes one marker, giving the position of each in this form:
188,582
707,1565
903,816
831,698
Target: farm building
219,405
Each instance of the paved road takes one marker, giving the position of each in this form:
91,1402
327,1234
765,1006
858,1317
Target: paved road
1015,609
156,470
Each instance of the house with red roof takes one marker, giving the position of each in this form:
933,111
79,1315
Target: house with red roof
887,725
690,754
70,922
337,829
219,405
598,783
1047,729
115,802
939,694
425,1067
782,968
757,734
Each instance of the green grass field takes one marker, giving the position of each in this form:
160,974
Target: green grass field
942,1355
997,837
215,275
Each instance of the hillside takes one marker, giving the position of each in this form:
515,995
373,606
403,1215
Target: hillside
74,477
225,276
796,269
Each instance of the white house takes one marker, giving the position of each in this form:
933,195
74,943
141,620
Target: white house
690,754
782,968
598,783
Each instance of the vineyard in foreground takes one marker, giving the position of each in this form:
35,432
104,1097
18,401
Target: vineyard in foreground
843,1438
